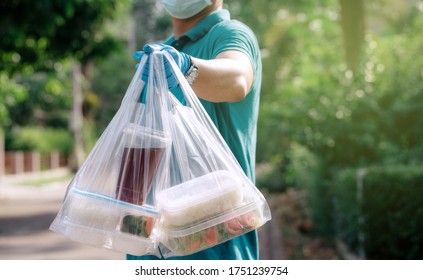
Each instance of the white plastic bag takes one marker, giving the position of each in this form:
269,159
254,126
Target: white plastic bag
213,201
160,178
110,202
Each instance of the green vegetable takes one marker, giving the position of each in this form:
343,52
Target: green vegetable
137,225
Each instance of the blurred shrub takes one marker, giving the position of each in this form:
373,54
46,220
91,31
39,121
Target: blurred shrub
270,175
387,211
303,170
41,140
299,169
11,93
111,78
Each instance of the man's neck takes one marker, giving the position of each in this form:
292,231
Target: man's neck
181,26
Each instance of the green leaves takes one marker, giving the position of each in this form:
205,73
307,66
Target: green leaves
11,93
40,31
346,118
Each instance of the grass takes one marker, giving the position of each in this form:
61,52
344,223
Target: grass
45,180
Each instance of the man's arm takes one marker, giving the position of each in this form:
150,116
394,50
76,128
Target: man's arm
227,78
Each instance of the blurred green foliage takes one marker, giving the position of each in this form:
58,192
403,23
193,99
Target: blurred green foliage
111,85
46,140
37,33
380,211
11,93
319,116
47,102
346,118
39,40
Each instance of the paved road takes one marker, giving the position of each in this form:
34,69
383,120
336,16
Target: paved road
26,213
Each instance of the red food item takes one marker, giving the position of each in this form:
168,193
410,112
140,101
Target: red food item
193,245
211,236
249,220
233,226
148,225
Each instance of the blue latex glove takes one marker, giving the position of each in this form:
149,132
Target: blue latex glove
181,59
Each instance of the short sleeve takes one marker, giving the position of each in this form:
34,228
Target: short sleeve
234,35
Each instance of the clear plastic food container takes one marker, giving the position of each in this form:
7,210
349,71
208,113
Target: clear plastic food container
102,221
191,239
200,199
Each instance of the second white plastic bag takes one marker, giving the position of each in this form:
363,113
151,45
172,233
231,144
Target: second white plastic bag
210,200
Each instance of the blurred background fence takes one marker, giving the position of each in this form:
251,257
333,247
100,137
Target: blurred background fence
23,162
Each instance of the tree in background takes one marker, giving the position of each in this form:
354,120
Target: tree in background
309,91
353,28
336,95
141,22
151,23
40,34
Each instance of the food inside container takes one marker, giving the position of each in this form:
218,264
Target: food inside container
106,222
91,210
137,225
200,199
189,240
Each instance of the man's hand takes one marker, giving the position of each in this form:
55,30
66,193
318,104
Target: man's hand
181,59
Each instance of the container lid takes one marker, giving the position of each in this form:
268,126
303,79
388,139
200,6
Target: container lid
140,136
144,208
198,190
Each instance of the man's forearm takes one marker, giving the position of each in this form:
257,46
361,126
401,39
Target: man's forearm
228,78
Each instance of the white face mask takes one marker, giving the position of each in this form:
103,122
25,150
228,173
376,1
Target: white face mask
183,9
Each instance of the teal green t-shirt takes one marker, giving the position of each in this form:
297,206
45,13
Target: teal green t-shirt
236,121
